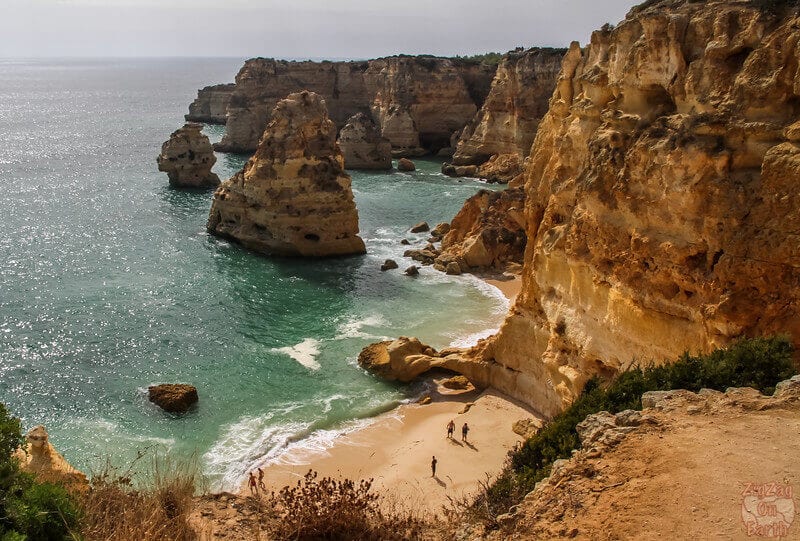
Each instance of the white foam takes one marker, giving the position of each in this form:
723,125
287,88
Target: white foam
304,353
352,328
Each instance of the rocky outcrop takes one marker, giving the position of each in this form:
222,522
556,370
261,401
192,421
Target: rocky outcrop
293,196
41,459
417,102
488,232
504,128
173,397
211,104
406,165
187,158
660,197
362,145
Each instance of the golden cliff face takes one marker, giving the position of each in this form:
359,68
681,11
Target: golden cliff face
661,198
293,196
507,122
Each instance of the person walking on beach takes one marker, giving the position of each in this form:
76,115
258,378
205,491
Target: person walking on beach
433,466
261,479
451,426
253,486
464,430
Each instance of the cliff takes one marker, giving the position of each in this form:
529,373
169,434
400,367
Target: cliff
211,104
187,158
293,196
504,129
660,200
418,102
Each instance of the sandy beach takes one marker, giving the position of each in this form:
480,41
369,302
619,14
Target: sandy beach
396,449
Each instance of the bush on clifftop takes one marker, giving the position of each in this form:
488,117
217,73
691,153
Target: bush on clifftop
759,363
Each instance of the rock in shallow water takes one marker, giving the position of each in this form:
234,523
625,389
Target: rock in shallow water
362,145
173,397
187,158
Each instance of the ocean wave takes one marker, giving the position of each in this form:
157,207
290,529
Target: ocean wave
304,353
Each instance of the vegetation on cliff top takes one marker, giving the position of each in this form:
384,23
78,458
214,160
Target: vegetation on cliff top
758,363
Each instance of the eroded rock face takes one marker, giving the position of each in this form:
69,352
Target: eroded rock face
417,102
187,158
173,397
211,104
293,196
661,197
362,145
507,123
488,232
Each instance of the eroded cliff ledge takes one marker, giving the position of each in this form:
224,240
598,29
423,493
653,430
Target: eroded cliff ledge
499,137
211,104
417,102
661,199
293,196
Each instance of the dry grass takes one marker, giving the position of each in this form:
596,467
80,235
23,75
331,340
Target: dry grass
118,509
339,509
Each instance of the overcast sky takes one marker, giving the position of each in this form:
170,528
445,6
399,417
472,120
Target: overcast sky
296,28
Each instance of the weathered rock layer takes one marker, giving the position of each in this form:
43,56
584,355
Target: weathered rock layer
187,158
417,102
293,196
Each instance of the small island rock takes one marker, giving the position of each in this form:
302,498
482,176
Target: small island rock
173,397
187,158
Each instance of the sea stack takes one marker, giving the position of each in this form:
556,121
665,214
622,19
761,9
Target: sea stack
293,196
187,158
363,146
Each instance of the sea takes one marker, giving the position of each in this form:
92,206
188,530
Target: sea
109,283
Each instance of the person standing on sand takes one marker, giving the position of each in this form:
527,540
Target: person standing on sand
433,466
261,479
464,430
252,484
451,426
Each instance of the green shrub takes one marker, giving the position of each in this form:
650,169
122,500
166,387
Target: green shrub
759,363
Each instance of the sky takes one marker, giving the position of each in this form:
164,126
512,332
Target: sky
295,29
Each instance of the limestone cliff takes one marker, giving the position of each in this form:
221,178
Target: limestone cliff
211,104
363,147
293,196
661,197
187,158
420,101
416,101
504,128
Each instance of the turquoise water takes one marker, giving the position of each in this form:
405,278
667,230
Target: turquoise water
109,282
